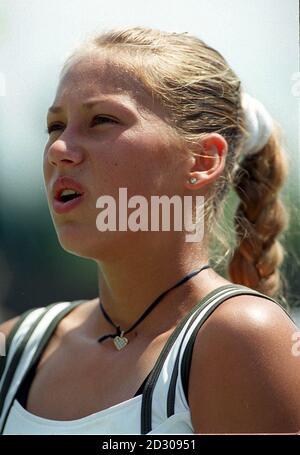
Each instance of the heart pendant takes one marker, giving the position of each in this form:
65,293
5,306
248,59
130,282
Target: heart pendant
120,342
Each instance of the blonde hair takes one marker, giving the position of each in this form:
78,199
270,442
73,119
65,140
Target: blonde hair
201,94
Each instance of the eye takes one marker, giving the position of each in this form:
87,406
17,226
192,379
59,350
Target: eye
51,128
55,126
109,119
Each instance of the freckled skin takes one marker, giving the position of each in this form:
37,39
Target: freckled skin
107,156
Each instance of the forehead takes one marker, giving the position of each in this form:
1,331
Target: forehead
96,75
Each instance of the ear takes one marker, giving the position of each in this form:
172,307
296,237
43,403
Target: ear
208,164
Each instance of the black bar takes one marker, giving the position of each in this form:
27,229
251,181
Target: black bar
135,444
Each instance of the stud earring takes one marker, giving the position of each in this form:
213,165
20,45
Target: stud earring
193,180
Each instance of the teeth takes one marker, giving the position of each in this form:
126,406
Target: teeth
68,192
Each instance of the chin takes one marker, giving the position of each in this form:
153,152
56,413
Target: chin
83,242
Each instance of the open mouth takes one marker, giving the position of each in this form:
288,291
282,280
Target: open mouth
68,195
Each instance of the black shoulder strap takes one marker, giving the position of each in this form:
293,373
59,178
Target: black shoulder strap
146,409
218,295
19,351
187,355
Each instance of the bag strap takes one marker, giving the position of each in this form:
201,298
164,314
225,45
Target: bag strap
188,351
146,408
10,370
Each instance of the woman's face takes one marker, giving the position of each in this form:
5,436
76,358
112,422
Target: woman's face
121,141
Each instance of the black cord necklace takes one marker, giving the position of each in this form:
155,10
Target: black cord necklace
119,340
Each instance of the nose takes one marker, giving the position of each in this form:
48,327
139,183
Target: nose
61,155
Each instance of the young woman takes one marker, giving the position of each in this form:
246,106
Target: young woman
158,114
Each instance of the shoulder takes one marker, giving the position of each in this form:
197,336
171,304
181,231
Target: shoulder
74,309
8,327
244,377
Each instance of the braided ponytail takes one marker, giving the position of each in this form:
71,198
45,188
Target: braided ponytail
260,219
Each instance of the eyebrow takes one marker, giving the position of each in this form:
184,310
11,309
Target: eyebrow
89,105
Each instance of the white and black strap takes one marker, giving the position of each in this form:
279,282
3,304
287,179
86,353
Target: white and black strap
147,398
27,341
185,358
184,354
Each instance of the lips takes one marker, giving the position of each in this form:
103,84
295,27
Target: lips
63,200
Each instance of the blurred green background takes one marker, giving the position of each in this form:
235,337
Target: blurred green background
259,40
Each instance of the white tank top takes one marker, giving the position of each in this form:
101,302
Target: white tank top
161,409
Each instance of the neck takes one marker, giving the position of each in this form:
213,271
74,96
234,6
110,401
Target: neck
129,284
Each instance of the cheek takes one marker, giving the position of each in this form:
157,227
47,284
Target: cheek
46,168
153,167
136,161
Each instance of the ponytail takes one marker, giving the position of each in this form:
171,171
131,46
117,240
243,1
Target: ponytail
260,219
